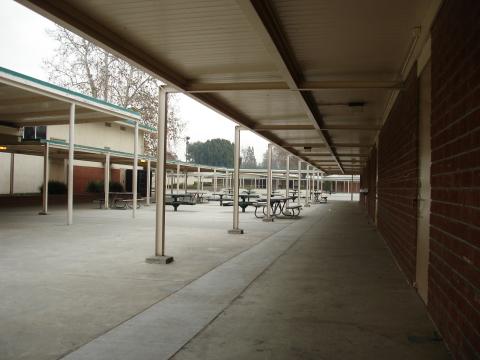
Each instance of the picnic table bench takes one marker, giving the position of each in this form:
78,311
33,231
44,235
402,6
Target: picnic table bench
176,200
279,206
320,197
127,203
243,201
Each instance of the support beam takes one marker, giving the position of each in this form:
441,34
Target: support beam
284,127
307,187
269,217
12,173
160,257
46,177
71,149
322,145
299,180
199,178
194,88
215,181
351,189
178,178
135,171
149,173
263,20
287,178
106,181
236,183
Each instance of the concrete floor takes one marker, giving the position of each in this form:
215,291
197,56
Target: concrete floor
320,287
63,286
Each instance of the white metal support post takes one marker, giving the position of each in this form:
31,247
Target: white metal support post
46,176
178,178
287,178
214,181
236,183
106,181
71,149
269,216
318,181
299,187
307,187
351,190
321,182
135,171
199,178
160,257
313,183
185,186
12,172
149,185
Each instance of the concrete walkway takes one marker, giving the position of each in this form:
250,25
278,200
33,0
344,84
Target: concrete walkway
324,287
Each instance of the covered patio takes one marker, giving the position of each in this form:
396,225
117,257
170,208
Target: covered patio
388,90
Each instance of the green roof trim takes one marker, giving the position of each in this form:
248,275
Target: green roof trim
65,90
140,125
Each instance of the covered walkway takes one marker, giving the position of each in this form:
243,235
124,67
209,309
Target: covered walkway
324,287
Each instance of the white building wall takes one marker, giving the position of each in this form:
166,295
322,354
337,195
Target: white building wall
4,173
28,174
116,137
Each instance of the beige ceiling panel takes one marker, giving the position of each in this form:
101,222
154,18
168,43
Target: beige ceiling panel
342,39
204,40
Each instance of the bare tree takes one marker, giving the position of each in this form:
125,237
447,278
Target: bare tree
84,67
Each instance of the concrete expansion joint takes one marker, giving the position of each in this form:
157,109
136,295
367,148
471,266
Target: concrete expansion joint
181,316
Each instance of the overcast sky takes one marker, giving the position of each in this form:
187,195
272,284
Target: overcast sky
24,44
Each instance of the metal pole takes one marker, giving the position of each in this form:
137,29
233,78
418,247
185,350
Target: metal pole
307,187
12,172
299,180
135,170
351,190
236,183
321,182
198,179
287,178
186,182
214,181
149,169
106,181
46,176
178,178
269,184
71,140
160,257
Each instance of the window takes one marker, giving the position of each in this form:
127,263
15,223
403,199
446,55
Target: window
34,132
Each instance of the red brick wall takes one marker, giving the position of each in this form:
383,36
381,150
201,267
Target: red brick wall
368,180
454,271
372,183
398,177
82,175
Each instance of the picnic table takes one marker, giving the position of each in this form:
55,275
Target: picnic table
279,206
243,200
220,195
179,199
319,197
119,200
